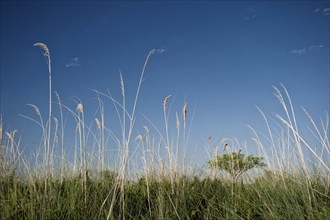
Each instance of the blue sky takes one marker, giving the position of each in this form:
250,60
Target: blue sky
221,57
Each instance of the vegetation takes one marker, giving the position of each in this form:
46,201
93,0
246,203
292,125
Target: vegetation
149,178
271,196
236,163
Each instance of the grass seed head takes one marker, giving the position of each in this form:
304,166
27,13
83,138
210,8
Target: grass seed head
56,121
177,121
43,47
185,111
166,101
139,138
146,129
98,124
80,107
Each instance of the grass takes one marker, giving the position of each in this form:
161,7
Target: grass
268,197
150,179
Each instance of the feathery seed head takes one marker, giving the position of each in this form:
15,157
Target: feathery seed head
98,124
147,129
177,121
185,111
80,107
122,84
166,101
36,109
56,121
139,138
43,47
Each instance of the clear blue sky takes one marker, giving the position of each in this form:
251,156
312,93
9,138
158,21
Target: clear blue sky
221,57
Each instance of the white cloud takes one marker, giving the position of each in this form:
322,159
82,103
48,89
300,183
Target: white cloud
298,51
310,49
326,11
75,62
315,48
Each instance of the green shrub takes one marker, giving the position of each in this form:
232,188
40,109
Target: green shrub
236,163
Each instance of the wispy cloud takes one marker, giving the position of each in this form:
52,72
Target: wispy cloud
249,17
251,13
161,50
324,11
310,49
75,62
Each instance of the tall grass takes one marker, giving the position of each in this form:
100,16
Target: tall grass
149,177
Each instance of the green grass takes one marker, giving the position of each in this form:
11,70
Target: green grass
149,177
268,197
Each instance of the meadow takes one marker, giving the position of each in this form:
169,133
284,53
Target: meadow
149,178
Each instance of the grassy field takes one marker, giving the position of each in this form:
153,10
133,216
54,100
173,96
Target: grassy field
150,179
269,197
